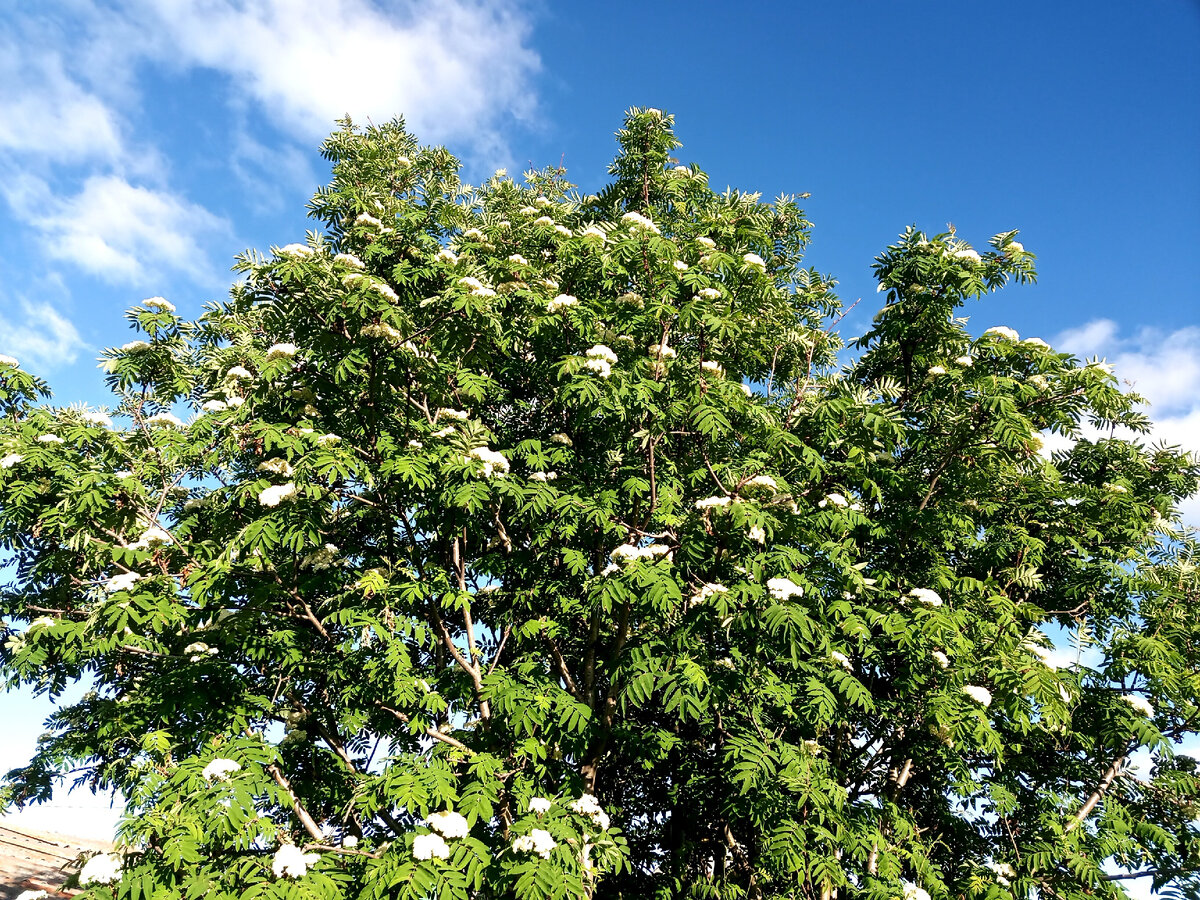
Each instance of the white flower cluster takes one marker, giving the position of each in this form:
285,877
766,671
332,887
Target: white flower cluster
540,805
753,259
980,695
453,415
10,460
494,463
562,301
292,862
637,222
32,895
966,253
281,351
220,769
764,482
122,582
197,651
937,370
276,494
96,417
134,347
715,369
10,361
783,589
543,220
49,439
601,359
447,255
276,466
543,476
841,659
757,534
925,596
477,287
680,265
713,503
707,243
1036,342
430,846
594,232
159,303
910,891
103,868
707,592
164,419
351,260
368,219
631,553
563,439
1140,704
151,537
941,659
1004,873
448,824
1003,332
837,500
321,559
296,250
538,841
518,259
587,805
661,351
382,330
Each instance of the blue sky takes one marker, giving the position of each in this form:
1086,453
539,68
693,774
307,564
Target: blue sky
144,142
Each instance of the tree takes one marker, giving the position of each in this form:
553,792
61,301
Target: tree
507,542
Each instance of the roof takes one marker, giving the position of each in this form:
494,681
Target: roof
38,860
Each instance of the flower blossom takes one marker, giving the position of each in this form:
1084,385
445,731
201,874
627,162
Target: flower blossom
276,466
367,219
134,347
103,868
214,406
32,895
540,805
281,351
382,330
49,439
910,891
448,824
97,417
159,303
753,259
841,659
706,242
941,659
1004,873
925,596
587,805
447,255
637,222
538,841
965,361
834,500
276,494
713,368
1002,332
349,842
563,439
197,651
122,582
164,418
220,769
1140,704
968,254
1036,342
320,559
351,260
562,301
713,503
707,592
784,589
296,250
937,370
594,231
766,482
494,463
680,265
661,351
980,695
9,361
454,415
237,372
543,476
430,846
292,862
709,293
151,537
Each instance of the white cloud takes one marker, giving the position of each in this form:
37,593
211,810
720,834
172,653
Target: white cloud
1164,367
39,336
456,69
117,230
44,112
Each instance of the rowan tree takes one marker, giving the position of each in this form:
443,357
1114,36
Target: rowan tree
505,541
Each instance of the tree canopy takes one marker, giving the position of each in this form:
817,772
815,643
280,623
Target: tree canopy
504,541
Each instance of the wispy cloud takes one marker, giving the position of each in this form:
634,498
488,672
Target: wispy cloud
457,70
1163,367
116,230
39,336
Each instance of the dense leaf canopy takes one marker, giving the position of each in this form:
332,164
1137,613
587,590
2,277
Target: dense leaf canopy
508,542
